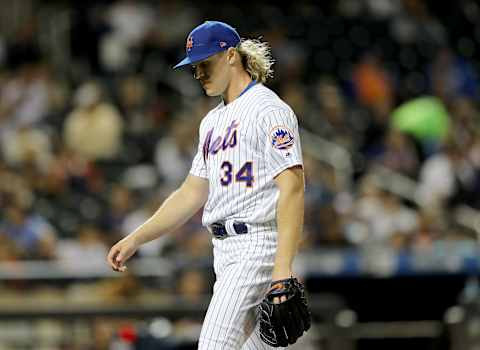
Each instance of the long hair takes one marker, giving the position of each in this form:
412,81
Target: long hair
256,59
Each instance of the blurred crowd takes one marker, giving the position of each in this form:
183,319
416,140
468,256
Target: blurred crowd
91,144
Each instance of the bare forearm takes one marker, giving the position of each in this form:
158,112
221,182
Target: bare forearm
290,209
180,206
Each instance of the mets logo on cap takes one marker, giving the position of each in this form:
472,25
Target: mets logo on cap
282,138
189,44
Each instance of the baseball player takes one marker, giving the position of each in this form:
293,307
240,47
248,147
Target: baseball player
248,175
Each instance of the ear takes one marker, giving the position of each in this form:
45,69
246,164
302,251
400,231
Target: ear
231,55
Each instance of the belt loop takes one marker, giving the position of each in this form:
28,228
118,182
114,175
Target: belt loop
222,230
230,229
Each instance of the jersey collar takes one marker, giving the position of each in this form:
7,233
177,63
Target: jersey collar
248,87
253,82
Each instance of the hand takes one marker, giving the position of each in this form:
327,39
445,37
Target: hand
121,252
282,324
277,276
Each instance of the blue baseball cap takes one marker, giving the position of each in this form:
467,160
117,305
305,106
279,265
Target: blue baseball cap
208,39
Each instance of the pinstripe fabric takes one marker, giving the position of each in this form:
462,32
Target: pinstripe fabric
243,266
257,113
242,147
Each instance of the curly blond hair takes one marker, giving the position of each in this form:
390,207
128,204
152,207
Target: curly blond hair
256,59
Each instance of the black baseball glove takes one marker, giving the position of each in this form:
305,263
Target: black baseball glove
282,324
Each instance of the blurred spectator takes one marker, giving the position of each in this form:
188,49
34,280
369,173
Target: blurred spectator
34,236
192,285
26,146
416,24
372,83
14,188
465,117
164,104
295,95
452,76
320,183
87,251
288,53
125,289
120,202
8,249
426,119
69,172
133,96
332,118
130,21
437,177
374,90
430,228
323,224
94,128
174,153
24,98
177,18
380,216
399,153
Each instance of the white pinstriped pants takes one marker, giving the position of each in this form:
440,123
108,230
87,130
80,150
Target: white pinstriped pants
243,266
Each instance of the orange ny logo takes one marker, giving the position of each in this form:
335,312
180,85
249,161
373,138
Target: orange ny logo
189,43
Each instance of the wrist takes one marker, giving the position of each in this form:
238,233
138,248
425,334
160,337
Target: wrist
280,274
135,239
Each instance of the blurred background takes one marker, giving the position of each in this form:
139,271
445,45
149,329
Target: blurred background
96,130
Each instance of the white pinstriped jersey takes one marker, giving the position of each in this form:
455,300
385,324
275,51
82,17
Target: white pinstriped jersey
242,147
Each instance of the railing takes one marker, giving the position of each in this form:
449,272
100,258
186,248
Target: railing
326,262
70,269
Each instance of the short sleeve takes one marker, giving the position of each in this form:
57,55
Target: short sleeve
199,167
279,129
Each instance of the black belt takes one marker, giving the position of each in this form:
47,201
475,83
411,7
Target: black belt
219,230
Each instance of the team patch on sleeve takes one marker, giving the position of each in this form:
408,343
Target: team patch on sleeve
281,137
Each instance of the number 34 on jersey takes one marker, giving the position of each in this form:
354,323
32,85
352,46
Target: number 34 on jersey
228,173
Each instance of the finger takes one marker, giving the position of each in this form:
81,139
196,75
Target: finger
112,256
120,258
122,268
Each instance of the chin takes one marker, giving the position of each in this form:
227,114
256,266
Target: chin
210,92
